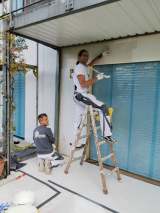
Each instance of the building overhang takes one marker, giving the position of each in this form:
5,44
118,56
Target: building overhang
88,22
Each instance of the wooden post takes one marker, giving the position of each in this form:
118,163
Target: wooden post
85,148
98,150
77,138
115,162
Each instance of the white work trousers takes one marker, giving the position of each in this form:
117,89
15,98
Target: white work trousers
55,158
81,103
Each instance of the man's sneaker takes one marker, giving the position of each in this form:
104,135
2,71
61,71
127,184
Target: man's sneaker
56,166
109,139
47,167
41,165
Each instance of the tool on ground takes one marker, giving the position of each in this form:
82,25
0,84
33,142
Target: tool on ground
105,76
4,206
92,125
16,178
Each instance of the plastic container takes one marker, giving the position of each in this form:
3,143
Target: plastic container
24,198
22,209
110,114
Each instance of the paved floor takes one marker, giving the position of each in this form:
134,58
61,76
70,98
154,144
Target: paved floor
81,190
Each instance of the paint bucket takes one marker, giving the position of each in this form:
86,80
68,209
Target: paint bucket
24,198
110,114
22,209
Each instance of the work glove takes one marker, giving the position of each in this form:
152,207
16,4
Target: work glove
106,52
100,76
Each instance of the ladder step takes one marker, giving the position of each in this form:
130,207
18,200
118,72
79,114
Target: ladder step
79,148
83,136
96,113
76,159
102,142
98,127
87,124
107,157
111,172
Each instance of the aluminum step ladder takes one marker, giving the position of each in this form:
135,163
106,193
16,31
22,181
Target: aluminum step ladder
93,114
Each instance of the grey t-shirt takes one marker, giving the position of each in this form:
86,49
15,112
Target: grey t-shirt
43,139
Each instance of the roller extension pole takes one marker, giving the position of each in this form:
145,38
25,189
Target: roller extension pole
105,76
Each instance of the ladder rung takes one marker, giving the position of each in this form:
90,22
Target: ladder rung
76,159
87,124
95,113
98,127
111,172
102,142
107,157
79,148
83,136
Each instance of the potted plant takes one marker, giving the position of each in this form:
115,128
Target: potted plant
2,162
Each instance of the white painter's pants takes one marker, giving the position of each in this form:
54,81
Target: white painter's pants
84,99
55,158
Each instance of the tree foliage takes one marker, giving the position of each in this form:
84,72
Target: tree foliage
13,47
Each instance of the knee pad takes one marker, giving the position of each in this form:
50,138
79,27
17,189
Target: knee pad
104,110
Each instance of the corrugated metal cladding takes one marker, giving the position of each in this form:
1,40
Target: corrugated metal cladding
122,18
135,88
19,101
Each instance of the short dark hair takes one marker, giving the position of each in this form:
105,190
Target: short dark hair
80,54
40,116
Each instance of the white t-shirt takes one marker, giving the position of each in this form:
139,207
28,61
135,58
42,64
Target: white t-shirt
81,69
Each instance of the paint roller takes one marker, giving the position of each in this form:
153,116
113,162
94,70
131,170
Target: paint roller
103,54
105,76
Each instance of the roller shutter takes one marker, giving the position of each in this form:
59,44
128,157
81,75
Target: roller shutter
135,88
19,100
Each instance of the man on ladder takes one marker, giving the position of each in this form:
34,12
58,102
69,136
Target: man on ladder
83,98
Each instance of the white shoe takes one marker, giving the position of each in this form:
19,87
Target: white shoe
56,167
47,167
41,165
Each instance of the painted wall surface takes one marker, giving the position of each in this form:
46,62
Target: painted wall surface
139,49
30,56
30,106
46,86
46,80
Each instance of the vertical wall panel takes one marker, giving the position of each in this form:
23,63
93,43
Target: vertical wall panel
135,89
46,81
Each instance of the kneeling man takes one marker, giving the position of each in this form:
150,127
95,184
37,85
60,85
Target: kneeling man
48,159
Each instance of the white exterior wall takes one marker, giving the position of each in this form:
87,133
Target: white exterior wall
46,80
139,49
46,86
30,56
30,106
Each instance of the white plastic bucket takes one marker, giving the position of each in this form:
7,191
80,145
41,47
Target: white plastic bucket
22,209
24,198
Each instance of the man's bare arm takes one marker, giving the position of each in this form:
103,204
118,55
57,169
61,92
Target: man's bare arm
83,83
95,60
